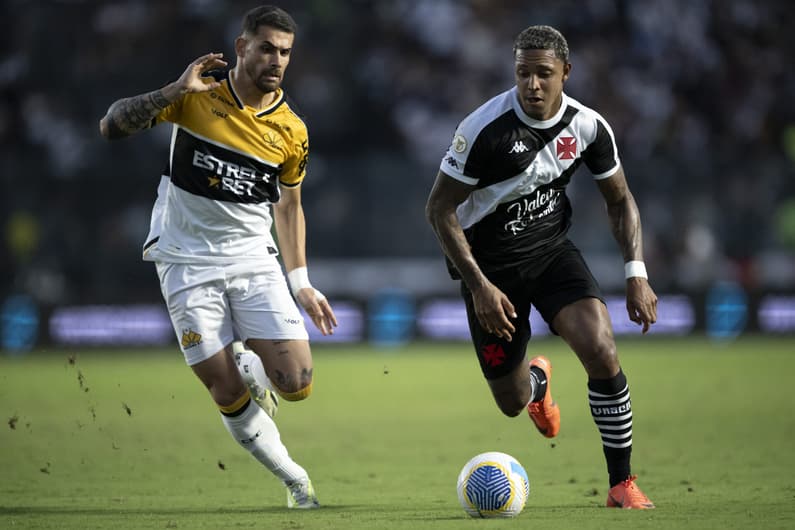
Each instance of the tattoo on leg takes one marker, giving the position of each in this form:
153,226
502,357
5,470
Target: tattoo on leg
286,381
281,348
283,380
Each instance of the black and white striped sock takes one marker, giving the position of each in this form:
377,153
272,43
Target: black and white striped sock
611,409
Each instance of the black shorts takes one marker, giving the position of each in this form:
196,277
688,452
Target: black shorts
557,281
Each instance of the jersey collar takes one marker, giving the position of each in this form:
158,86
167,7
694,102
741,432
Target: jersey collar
538,124
267,110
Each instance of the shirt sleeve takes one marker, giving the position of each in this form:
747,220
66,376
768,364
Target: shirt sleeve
294,168
172,113
601,155
463,160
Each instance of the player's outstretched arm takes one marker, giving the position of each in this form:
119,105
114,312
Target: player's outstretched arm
625,224
493,308
130,115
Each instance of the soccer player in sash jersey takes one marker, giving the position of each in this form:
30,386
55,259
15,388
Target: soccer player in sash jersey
500,211
237,159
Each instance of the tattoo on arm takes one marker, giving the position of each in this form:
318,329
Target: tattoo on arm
441,213
625,225
129,115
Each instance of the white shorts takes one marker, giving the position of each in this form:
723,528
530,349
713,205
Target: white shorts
212,305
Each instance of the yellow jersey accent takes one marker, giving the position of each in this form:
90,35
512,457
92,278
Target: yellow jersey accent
274,135
227,162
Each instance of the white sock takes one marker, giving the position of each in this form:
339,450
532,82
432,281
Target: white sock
256,432
251,368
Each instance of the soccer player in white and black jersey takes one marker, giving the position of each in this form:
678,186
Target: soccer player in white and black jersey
500,211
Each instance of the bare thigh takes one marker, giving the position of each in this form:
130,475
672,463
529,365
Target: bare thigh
288,363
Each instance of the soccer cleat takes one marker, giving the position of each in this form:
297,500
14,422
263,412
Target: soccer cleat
266,399
545,413
627,495
301,495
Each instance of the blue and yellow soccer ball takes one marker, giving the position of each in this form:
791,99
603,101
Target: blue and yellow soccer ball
493,485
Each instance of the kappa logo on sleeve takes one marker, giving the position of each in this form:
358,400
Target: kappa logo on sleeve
452,162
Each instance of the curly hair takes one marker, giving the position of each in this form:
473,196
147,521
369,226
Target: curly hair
543,38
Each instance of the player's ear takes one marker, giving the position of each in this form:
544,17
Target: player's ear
240,46
566,71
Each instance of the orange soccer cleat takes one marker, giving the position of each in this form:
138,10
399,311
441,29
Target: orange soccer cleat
545,413
627,495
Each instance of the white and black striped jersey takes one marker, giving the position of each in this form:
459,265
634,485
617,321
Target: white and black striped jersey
520,168
226,164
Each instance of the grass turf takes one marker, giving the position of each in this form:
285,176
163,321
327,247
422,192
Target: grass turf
130,439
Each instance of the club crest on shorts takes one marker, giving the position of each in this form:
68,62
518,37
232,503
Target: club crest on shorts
493,355
190,338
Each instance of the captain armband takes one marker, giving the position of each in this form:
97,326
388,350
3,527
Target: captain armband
635,269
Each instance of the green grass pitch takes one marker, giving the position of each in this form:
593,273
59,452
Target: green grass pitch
130,440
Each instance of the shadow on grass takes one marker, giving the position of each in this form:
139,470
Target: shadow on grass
115,510
406,514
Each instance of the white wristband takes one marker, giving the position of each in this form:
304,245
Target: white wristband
299,279
635,269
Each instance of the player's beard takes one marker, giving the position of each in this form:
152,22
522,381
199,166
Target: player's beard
262,80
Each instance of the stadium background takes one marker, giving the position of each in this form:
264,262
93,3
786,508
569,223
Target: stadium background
698,93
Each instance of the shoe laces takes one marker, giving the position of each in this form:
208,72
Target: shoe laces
540,407
301,491
632,491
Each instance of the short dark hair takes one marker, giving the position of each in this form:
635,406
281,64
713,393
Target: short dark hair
543,38
272,16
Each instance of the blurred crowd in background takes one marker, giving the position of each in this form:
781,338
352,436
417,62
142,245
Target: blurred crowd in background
699,94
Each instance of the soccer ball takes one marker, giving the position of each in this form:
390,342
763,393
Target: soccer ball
493,485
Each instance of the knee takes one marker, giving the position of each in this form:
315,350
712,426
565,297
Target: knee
294,387
601,360
510,410
296,395
226,393
511,405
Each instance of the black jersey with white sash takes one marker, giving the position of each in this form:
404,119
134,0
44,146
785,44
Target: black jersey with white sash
520,168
